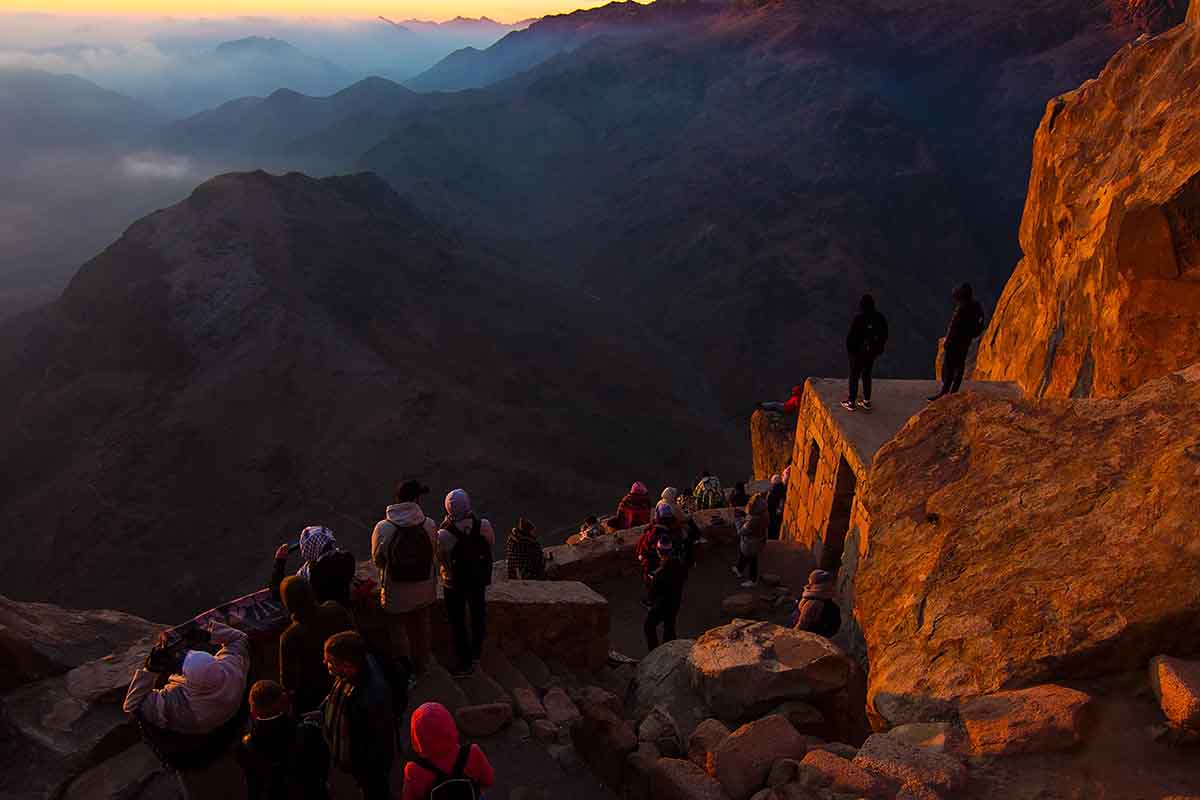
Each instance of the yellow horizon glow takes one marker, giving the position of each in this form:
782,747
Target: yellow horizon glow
506,11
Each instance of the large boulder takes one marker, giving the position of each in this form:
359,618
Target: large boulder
665,679
604,741
772,436
745,668
1177,686
744,759
901,763
1106,296
1034,541
823,768
679,779
38,640
704,742
1037,720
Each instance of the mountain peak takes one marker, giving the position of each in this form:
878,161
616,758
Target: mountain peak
251,45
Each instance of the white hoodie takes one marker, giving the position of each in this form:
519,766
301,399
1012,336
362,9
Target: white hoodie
399,598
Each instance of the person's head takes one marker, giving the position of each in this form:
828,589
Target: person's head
866,303
345,655
670,494
201,671
268,700
637,488
458,504
776,478
525,527
964,293
797,390
705,474
433,732
820,577
297,596
664,512
410,491
315,540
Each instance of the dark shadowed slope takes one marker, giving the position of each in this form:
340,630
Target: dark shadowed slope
276,351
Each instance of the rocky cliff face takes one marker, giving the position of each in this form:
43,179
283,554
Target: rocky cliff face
1107,295
1000,556
771,439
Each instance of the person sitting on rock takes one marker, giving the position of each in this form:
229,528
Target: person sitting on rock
864,343
664,592
357,718
326,566
203,691
591,529
302,670
708,492
738,497
789,406
526,561
776,497
817,612
966,324
282,756
634,508
752,532
441,765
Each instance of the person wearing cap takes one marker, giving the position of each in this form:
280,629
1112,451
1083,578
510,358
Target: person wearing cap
817,612
523,552
203,692
407,590
664,592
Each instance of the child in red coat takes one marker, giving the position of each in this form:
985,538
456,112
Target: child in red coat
435,742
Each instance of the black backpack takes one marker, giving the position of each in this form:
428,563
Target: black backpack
471,557
456,785
409,554
875,334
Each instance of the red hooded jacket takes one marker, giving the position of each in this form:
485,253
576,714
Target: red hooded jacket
435,738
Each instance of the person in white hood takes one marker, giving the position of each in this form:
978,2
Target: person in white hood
204,694
464,556
407,588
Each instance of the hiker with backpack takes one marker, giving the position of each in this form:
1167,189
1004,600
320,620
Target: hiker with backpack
357,717
403,547
967,324
464,557
326,566
664,592
442,768
523,553
283,757
708,493
864,343
302,646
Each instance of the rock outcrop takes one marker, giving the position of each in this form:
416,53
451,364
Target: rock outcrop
1081,562
1107,295
1176,684
771,439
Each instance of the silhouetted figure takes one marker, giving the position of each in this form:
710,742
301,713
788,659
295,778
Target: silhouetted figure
283,757
326,566
966,324
403,546
665,593
464,555
776,497
817,612
752,532
523,552
738,497
441,765
302,646
634,508
358,718
864,343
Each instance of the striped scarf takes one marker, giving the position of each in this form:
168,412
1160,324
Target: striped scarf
335,722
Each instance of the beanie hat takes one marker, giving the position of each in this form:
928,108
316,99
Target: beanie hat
458,504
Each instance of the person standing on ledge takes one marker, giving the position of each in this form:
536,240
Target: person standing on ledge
664,592
864,343
464,556
966,324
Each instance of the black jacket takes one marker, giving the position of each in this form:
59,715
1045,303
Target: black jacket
284,759
965,325
868,334
332,577
666,584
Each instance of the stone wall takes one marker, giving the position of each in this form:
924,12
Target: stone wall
771,437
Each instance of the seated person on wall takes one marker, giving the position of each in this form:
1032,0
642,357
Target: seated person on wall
326,566
817,612
523,551
282,757
634,508
789,406
708,492
302,670
590,529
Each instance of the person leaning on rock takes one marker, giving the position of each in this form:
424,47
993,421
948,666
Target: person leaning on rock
403,547
752,531
817,612
966,324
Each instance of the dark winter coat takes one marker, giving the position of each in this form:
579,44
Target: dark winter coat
331,577
666,584
285,760
965,325
857,339
302,646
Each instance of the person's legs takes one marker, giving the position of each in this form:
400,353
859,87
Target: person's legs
456,611
669,623
957,373
868,363
477,599
952,363
752,568
416,625
855,372
650,629
741,564
772,405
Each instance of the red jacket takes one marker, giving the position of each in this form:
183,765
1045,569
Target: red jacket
792,405
632,511
435,738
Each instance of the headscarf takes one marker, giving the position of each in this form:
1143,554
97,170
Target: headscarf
637,488
664,512
820,585
458,505
670,494
214,688
818,591
315,542
201,670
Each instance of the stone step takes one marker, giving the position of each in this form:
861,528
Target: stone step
533,668
498,665
438,686
481,689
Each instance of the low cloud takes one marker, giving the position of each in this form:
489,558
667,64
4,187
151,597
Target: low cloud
157,166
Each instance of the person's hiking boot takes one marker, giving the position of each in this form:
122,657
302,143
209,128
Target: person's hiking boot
937,396
748,584
848,405
737,573
866,406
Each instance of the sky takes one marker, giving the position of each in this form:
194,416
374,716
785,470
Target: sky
501,10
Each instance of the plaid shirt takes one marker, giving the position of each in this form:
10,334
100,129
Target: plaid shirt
525,558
